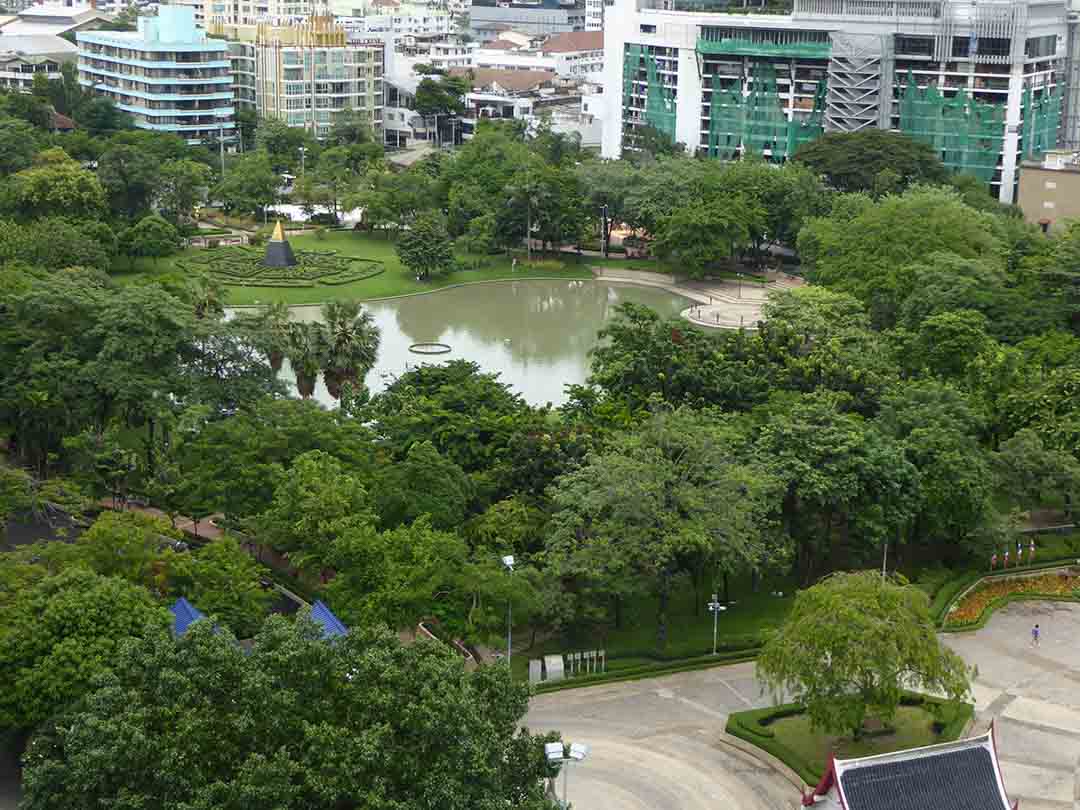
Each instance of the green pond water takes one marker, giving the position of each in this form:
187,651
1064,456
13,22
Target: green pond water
536,334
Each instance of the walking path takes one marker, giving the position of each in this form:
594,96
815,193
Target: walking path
722,304
658,744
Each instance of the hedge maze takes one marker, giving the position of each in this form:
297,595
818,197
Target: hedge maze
243,267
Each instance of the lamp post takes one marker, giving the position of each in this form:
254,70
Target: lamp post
740,286
604,229
303,152
715,607
221,138
556,753
508,561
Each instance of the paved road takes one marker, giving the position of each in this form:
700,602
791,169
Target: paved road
654,744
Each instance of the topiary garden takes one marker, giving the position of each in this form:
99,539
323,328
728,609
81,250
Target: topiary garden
244,267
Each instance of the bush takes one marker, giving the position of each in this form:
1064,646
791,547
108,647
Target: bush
320,233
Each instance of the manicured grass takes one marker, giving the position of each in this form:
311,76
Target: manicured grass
395,281
914,727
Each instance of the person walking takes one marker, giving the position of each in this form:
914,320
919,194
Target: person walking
1035,636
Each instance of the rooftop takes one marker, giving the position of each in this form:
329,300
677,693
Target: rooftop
184,614
324,617
35,45
512,81
962,775
572,41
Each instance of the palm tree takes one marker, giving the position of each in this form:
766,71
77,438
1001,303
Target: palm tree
351,342
275,327
207,293
305,349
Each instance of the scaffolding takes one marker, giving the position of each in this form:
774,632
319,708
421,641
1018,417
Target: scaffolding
967,134
659,107
755,121
1042,118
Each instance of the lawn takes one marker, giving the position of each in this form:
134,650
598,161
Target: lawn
395,281
689,633
913,727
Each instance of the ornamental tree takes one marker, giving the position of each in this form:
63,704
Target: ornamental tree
850,647
425,248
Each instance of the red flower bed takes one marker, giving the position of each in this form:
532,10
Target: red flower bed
970,609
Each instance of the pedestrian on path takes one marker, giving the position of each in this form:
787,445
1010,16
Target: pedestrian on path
1035,636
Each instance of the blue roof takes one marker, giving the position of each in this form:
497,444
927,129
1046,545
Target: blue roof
184,614
325,618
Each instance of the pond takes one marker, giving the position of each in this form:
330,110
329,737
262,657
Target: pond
536,334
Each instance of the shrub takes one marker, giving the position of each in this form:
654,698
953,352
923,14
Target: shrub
320,233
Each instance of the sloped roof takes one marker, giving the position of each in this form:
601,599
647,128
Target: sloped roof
62,122
184,615
498,45
962,775
514,81
34,45
331,624
572,41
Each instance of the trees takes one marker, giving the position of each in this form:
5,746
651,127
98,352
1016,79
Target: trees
697,236
850,647
151,236
425,248
442,96
298,723
351,344
56,184
666,500
130,177
182,186
350,127
305,352
424,483
282,144
315,502
853,161
62,632
249,185
18,144
222,579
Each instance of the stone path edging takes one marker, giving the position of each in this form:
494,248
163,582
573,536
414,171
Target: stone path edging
765,758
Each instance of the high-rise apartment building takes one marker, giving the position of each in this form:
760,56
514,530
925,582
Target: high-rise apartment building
252,12
169,75
305,74
982,82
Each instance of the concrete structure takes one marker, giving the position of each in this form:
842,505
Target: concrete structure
403,54
983,83
488,18
573,55
54,19
305,74
197,6
24,57
251,12
169,75
1050,189
594,15
399,19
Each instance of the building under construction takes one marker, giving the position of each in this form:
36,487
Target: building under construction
982,81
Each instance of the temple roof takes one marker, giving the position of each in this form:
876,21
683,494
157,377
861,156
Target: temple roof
961,775
331,624
184,615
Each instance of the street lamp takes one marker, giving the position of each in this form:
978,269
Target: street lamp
604,229
303,151
740,286
556,753
508,561
715,607
221,116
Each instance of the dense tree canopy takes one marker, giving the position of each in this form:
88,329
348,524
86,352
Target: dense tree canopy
856,161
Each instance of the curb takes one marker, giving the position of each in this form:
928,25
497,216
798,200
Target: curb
766,759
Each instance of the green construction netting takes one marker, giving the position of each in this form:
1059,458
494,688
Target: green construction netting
756,121
1042,117
659,100
967,134
748,47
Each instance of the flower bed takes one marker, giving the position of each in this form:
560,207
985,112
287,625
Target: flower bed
992,593
243,267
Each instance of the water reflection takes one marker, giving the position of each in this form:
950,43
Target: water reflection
537,334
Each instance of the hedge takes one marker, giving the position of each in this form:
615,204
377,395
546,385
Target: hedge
753,727
647,671
243,267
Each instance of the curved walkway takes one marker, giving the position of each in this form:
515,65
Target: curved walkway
719,304
658,743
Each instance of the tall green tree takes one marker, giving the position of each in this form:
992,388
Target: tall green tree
425,248
297,723
850,647
853,161
131,178
351,344
250,184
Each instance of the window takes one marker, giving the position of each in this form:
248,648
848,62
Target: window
1041,47
995,46
1050,184
648,29
914,46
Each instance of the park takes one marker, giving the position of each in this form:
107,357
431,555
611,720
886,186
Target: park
780,484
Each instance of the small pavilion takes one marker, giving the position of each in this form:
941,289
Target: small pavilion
960,775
